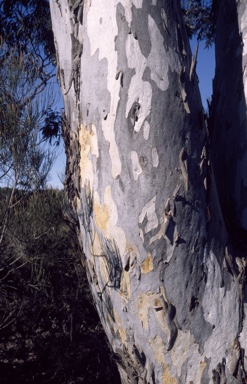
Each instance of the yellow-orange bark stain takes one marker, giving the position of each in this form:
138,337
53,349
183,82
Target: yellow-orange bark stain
143,308
158,348
89,145
147,264
157,303
125,286
103,270
202,367
106,219
101,216
96,245
119,328
167,378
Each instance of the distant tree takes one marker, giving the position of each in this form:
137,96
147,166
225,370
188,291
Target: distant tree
25,25
200,19
25,104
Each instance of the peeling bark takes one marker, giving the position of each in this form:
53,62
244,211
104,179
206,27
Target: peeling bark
169,292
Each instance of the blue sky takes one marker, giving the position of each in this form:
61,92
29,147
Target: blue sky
58,169
205,71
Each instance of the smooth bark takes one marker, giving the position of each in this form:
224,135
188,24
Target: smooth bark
165,281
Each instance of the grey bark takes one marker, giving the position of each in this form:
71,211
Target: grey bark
169,291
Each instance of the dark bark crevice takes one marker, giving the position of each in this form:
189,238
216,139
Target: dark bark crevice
180,265
227,130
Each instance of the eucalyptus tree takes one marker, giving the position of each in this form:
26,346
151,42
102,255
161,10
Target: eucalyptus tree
160,195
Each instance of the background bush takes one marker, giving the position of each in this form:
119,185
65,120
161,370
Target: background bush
49,329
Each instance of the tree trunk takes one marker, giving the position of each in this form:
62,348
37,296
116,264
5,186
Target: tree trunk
163,274
229,112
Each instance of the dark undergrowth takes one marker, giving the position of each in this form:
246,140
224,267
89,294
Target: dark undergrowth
49,329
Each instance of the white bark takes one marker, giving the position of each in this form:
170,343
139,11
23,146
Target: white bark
169,300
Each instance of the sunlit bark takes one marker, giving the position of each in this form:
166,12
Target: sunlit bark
166,285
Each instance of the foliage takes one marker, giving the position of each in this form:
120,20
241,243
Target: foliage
51,129
24,102
49,328
27,24
199,17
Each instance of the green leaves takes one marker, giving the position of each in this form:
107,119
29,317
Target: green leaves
51,129
199,17
25,27
27,24
24,101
